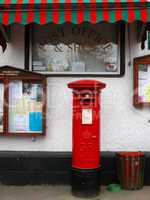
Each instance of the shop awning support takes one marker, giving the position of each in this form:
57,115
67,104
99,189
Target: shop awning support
4,36
6,31
141,28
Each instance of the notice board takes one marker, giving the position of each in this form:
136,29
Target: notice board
22,102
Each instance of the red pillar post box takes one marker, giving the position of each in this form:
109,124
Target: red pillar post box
86,137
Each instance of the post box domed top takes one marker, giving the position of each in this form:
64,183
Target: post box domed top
88,84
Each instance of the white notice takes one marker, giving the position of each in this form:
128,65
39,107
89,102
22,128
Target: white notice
15,90
86,116
20,122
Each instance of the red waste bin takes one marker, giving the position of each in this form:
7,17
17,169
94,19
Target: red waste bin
86,137
130,167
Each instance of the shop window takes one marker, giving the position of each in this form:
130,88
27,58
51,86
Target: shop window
83,49
22,102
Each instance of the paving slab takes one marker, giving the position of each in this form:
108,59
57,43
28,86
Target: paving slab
45,192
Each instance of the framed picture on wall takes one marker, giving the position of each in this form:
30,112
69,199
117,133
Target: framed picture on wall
142,81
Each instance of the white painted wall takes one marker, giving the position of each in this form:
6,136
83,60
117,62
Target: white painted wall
123,126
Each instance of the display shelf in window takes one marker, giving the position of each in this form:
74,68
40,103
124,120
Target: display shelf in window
142,81
23,97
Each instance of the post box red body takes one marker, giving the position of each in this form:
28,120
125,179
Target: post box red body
86,137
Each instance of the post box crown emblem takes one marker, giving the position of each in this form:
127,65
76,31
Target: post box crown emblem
89,84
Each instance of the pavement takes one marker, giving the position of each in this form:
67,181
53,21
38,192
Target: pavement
45,192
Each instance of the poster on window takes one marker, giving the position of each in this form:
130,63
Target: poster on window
25,107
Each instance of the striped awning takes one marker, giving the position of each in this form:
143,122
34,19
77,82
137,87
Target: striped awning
75,11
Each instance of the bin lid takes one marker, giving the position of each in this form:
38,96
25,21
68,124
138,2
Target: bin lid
130,154
86,84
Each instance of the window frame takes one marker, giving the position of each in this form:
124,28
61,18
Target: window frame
5,79
28,57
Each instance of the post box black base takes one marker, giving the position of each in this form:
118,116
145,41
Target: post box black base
86,182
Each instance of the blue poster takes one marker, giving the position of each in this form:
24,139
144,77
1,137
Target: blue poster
35,121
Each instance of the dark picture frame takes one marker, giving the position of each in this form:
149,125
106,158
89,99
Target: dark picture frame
122,56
